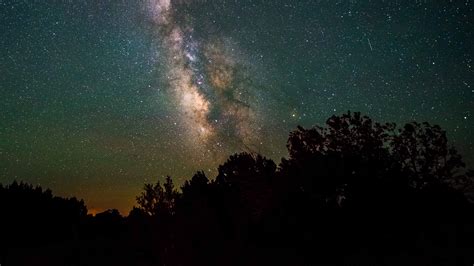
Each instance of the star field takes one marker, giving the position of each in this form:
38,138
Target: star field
98,97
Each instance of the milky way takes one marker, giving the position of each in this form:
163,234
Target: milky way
202,76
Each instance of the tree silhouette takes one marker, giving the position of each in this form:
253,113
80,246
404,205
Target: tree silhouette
372,171
249,177
196,186
423,151
326,163
158,199
349,133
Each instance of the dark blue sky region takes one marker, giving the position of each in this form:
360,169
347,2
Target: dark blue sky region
98,97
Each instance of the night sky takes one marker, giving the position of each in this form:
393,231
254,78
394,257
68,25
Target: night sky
99,97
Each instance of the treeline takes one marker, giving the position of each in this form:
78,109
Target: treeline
32,216
353,192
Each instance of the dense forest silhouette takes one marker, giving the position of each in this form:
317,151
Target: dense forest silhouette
353,192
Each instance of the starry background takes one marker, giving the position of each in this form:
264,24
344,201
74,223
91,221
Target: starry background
99,97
